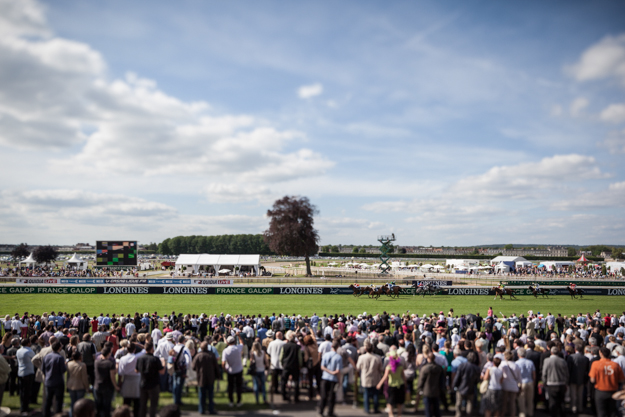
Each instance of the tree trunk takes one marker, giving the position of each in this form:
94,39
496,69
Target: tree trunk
308,271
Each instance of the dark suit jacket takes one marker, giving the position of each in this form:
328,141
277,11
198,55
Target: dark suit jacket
579,366
205,365
466,378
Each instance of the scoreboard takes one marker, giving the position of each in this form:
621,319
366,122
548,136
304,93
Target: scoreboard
116,253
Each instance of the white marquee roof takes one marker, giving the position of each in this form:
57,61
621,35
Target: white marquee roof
29,260
205,259
75,259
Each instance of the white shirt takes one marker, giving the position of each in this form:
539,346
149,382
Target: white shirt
324,347
128,363
163,348
17,325
328,331
130,329
156,336
620,359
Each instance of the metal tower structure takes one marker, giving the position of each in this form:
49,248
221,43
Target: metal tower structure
385,241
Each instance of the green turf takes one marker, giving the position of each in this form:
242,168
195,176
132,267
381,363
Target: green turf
300,304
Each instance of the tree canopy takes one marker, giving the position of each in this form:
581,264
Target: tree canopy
20,251
45,254
291,228
221,244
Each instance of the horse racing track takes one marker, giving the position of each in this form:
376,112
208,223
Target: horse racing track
292,300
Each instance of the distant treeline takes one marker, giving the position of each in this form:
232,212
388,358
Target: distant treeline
222,244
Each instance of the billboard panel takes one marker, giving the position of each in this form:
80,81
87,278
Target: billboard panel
116,253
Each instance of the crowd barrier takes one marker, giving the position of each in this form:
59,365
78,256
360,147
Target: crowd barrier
289,290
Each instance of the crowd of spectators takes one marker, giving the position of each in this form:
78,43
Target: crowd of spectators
488,365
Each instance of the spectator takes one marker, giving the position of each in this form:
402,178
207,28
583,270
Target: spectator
207,370
232,363
105,385
292,360
274,350
579,367
312,360
88,351
555,375
130,381
259,361
510,385
491,401
151,369
429,387
26,374
180,358
370,368
53,369
465,380
77,380
606,376
331,364
84,408
528,381
5,370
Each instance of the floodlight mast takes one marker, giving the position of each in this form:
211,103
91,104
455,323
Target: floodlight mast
385,241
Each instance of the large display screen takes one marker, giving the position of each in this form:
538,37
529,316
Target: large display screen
116,253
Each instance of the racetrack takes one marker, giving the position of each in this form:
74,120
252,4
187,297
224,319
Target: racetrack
300,304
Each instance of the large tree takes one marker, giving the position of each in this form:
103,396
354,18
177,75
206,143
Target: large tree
20,251
291,230
45,254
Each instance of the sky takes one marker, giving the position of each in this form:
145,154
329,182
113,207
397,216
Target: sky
446,123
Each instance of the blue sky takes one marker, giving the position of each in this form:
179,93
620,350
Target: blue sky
448,124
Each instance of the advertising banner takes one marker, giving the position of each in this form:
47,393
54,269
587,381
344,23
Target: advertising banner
37,280
433,281
565,283
14,289
213,281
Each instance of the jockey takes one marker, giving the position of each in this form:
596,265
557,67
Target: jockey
420,284
357,286
391,285
573,286
537,286
501,286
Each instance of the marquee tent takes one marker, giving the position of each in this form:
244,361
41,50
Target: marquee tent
219,262
503,267
76,262
582,259
511,261
450,263
30,261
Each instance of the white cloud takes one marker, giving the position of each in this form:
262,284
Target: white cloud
523,180
614,113
605,59
238,193
309,91
612,197
56,90
615,142
577,106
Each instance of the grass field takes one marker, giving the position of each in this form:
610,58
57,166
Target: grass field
299,304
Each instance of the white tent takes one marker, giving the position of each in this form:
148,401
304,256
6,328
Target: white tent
427,266
219,261
30,261
502,267
615,266
439,267
522,264
454,262
77,262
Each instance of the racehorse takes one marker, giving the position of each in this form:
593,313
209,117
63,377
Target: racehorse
574,292
542,291
376,293
499,292
427,289
393,292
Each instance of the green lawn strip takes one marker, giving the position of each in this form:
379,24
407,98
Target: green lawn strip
299,304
